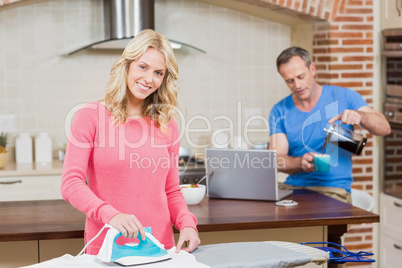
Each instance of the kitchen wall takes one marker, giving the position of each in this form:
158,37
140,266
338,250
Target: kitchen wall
235,79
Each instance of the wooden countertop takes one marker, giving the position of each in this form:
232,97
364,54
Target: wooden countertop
56,219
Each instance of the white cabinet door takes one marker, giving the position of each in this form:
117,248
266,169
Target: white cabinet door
390,16
391,252
30,188
391,216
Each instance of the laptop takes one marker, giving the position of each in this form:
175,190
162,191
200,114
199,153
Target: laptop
243,174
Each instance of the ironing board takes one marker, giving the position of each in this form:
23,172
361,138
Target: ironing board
234,255
275,254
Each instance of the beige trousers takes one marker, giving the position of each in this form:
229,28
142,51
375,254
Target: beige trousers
337,193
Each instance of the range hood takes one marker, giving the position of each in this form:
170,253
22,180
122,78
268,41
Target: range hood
123,19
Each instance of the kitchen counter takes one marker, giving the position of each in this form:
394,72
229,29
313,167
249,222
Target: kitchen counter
32,169
56,219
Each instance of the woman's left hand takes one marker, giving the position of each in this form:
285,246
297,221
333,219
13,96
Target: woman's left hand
189,235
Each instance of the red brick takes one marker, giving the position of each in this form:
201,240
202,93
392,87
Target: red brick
326,42
327,75
326,58
345,49
358,58
321,67
355,3
362,161
369,66
348,84
347,19
357,27
345,67
359,11
320,35
356,75
353,239
357,42
345,34
320,50
357,170
370,18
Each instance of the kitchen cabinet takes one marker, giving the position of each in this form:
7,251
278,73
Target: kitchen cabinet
23,253
19,188
391,14
391,231
49,249
18,253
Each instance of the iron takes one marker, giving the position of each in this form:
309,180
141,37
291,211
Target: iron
148,251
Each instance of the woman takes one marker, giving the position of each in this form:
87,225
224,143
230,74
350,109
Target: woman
121,160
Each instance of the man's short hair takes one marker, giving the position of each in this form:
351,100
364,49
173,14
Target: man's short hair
290,52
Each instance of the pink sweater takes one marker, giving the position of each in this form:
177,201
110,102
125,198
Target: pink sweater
132,169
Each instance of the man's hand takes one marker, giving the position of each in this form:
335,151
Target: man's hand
307,162
348,117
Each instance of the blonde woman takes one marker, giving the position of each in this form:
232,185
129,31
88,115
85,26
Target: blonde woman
121,160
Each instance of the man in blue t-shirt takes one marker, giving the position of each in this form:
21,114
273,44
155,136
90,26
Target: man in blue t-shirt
297,125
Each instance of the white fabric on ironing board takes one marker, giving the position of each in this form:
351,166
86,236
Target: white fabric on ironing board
179,260
270,254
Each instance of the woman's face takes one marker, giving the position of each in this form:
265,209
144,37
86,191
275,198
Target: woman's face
146,74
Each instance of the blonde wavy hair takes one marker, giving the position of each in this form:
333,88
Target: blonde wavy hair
160,105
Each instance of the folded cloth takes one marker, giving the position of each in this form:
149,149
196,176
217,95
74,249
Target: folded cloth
179,260
273,254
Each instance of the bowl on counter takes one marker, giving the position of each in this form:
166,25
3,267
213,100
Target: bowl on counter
193,193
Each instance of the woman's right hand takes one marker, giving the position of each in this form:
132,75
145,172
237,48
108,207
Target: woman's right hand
128,225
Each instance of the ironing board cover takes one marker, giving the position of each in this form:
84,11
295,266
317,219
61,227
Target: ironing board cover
273,254
179,260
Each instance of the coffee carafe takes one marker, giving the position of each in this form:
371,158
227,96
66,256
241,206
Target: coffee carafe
345,139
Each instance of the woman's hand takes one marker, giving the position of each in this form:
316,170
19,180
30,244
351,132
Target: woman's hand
128,225
190,235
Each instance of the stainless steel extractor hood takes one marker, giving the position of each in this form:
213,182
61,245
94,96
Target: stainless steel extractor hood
123,19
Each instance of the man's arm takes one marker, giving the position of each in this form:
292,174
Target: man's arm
286,163
373,121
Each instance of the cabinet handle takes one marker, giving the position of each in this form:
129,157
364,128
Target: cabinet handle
397,204
10,182
397,247
397,7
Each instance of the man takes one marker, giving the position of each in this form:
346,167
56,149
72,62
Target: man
297,125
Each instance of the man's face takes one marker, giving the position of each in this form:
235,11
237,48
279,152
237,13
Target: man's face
298,77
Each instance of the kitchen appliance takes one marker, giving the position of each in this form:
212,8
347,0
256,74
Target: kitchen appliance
345,138
148,251
392,70
123,19
191,168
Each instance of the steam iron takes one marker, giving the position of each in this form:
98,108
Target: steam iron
148,251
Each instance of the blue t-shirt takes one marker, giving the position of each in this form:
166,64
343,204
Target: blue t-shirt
305,133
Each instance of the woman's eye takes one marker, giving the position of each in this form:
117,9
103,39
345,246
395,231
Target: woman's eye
159,73
142,67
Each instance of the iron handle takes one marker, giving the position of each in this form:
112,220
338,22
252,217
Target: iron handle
397,247
398,205
10,182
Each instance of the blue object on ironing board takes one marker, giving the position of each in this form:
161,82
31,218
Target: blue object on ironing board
340,256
